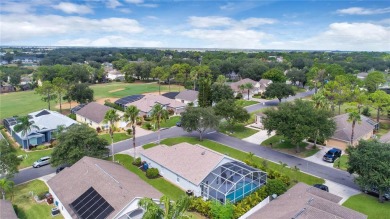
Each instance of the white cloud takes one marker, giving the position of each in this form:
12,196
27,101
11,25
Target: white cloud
152,17
229,6
135,1
71,8
109,41
113,3
148,5
125,10
14,7
211,21
22,27
363,11
255,22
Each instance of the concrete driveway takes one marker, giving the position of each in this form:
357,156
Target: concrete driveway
259,137
317,157
340,190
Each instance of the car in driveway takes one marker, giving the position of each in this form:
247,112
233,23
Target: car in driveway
322,187
374,191
332,155
178,124
42,162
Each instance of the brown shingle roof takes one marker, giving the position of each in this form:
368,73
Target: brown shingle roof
188,95
306,202
113,182
344,128
6,210
192,162
149,100
235,85
94,111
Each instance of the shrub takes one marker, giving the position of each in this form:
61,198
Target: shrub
72,116
42,195
39,147
129,131
220,211
139,120
148,126
137,162
148,119
276,186
152,173
98,129
113,105
250,201
239,96
366,111
201,206
171,111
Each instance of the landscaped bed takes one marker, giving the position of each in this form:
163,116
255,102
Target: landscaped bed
27,207
240,155
369,206
279,143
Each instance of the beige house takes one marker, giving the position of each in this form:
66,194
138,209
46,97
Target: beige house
263,84
236,87
342,136
146,103
93,114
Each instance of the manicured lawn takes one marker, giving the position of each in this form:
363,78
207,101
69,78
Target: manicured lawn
164,124
240,155
279,143
342,162
117,137
298,89
238,131
30,157
245,103
160,184
369,206
26,205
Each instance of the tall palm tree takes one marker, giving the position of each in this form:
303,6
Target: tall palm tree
320,101
24,125
353,117
172,210
159,114
6,186
130,116
248,86
111,117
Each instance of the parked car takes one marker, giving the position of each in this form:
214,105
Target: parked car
322,187
178,124
59,169
375,192
41,162
332,155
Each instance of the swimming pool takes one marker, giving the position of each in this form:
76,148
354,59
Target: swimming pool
242,191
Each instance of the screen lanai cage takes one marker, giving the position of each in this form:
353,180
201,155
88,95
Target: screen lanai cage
232,181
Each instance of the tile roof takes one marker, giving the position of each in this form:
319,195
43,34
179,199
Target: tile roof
306,202
113,182
6,210
235,85
94,111
344,128
192,162
188,95
149,100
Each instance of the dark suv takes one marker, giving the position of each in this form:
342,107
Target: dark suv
374,191
332,155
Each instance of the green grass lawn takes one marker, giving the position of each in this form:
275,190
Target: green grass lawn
279,143
298,89
164,124
160,184
117,137
30,157
240,155
27,207
245,103
238,131
341,163
369,206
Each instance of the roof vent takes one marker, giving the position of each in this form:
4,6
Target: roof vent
203,152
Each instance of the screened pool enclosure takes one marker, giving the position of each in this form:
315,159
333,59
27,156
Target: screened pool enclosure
232,181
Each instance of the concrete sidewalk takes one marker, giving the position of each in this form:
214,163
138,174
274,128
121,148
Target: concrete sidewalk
317,157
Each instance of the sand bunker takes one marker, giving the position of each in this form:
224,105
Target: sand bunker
112,91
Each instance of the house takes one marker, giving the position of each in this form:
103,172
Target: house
106,187
93,114
146,103
342,136
47,121
304,201
362,75
6,88
188,96
263,84
204,172
236,87
126,100
114,74
6,210
170,95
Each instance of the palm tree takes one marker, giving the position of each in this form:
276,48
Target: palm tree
159,114
6,186
353,117
111,117
24,125
248,86
172,210
320,101
130,116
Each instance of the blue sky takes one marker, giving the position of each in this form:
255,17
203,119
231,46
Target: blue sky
306,25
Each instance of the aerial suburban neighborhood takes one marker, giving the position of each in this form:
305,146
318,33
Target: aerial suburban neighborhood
194,109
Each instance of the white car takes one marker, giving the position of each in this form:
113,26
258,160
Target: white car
41,162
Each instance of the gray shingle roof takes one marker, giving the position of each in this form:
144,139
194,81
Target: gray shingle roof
6,210
344,128
94,111
303,201
188,95
235,85
117,185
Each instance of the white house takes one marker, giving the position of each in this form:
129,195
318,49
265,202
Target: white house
204,172
188,96
106,187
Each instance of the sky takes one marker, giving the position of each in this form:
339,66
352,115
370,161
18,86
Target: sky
256,24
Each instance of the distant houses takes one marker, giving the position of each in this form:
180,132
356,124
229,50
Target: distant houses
47,121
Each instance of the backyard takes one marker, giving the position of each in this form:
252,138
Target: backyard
240,155
279,143
369,206
26,206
